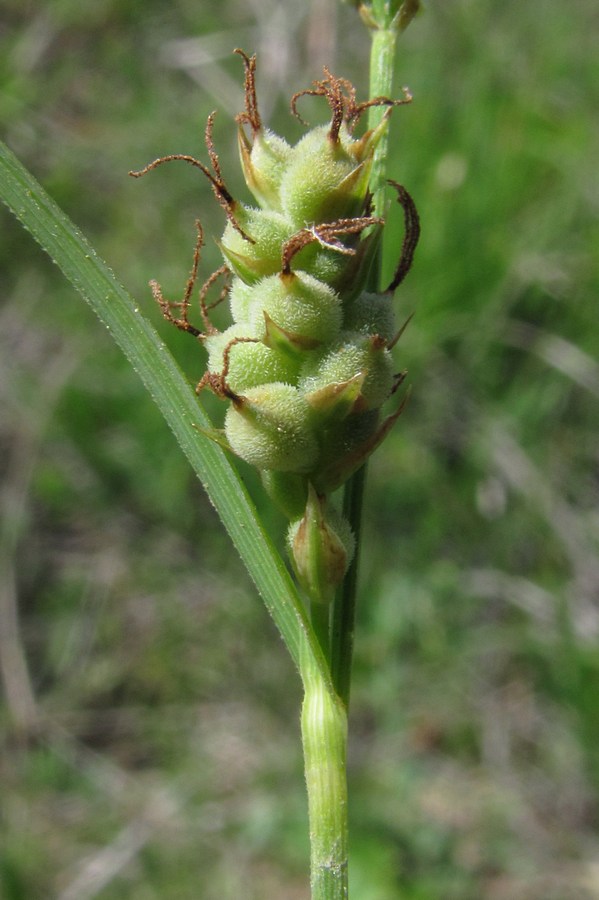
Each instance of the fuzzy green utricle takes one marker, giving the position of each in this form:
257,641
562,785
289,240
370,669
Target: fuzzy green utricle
323,181
240,300
371,314
298,304
256,250
249,363
354,355
321,262
270,428
321,545
264,162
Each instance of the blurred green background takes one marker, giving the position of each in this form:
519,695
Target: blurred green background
149,731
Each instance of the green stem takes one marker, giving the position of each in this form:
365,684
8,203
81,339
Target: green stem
320,615
382,56
324,718
382,60
324,737
344,607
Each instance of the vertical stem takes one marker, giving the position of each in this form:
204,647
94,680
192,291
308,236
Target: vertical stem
382,56
344,607
319,614
324,738
324,713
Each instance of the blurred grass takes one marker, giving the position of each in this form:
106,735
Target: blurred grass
156,753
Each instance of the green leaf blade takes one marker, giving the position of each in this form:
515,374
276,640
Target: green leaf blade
159,372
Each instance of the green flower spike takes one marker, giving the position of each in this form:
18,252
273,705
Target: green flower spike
306,363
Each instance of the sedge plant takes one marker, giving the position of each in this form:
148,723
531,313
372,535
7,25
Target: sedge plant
305,368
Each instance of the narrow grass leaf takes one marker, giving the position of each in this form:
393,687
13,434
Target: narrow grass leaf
159,372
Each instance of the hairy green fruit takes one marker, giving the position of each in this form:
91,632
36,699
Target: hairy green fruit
323,263
323,182
259,252
371,314
354,356
270,428
321,545
264,161
240,302
299,305
246,362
